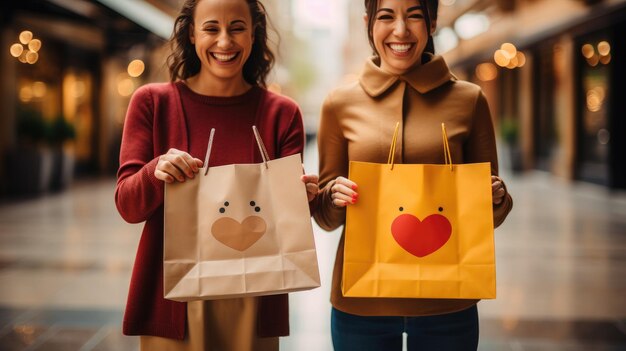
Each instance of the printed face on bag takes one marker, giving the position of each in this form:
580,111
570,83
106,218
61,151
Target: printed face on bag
235,234
222,34
421,237
399,33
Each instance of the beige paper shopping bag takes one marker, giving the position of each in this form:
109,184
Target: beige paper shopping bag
239,230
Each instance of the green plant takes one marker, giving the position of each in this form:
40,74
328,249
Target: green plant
509,130
61,130
31,126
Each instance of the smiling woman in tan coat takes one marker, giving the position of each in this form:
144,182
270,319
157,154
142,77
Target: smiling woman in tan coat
404,82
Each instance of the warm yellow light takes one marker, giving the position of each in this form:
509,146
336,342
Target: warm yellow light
605,59
125,87
486,71
593,60
521,59
78,88
588,51
34,45
16,50
595,99
22,57
501,58
32,57
26,93
26,36
136,68
604,48
509,50
39,89
513,63
600,91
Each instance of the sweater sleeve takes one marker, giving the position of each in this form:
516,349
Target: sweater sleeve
138,193
333,162
481,147
292,139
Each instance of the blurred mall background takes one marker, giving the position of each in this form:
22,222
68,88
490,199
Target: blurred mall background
551,70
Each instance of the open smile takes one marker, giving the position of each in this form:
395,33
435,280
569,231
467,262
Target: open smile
224,58
400,49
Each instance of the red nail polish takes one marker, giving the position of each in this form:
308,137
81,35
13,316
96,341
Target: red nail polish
354,187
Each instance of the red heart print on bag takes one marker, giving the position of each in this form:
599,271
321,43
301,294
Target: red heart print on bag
421,238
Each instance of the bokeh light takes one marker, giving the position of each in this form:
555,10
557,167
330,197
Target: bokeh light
588,51
604,48
509,50
136,68
486,72
26,36
125,87
501,58
521,59
16,50
39,89
32,57
34,45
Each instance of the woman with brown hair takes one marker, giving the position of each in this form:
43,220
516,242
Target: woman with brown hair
218,69
406,83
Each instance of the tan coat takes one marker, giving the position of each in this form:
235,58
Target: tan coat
358,122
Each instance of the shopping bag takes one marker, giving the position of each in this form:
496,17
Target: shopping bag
420,231
239,230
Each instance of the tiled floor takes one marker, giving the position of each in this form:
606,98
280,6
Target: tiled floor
65,261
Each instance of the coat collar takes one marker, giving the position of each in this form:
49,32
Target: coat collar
423,78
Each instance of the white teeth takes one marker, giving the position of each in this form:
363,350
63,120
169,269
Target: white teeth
400,47
223,57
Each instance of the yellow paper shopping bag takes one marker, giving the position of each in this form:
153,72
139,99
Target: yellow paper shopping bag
420,231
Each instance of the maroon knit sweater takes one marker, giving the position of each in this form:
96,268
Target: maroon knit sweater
157,121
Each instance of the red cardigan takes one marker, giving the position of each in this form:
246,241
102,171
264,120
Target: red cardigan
154,123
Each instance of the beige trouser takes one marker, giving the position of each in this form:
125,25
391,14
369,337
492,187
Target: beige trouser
216,325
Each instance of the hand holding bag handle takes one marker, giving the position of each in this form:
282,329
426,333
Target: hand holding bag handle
259,142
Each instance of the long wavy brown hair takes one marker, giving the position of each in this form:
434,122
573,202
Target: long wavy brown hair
183,62
429,7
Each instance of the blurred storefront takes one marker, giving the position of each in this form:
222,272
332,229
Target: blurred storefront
68,70
551,70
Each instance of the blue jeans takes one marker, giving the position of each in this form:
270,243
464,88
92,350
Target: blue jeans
456,331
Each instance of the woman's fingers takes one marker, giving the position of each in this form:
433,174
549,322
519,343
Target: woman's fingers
343,192
170,168
311,184
312,188
310,178
346,182
160,175
497,190
199,163
185,163
176,165
496,183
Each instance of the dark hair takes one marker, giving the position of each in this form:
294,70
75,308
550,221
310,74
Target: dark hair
430,8
183,62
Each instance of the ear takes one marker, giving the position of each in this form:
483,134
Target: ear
365,20
433,26
192,38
